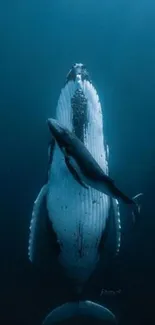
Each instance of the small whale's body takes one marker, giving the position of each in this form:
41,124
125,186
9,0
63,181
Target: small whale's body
69,222
82,164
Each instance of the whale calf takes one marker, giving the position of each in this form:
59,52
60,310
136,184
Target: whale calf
84,167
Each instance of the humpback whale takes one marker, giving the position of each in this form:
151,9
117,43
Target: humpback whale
71,222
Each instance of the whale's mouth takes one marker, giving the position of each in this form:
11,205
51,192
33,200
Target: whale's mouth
78,72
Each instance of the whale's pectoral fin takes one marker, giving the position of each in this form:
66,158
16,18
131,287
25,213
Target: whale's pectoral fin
137,209
51,146
110,242
42,239
74,169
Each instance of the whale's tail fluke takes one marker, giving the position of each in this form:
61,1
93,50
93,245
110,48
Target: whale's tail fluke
75,309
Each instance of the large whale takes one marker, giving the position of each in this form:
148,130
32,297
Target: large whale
71,224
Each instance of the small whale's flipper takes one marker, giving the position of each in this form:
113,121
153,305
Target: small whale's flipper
75,170
80,308
42,238
136,197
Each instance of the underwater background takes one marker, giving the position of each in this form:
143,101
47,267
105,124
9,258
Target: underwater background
39,42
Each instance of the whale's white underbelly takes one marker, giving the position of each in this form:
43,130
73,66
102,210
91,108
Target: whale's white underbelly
78,216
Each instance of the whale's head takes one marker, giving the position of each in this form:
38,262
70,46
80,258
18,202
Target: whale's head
79,109
78,73
78,102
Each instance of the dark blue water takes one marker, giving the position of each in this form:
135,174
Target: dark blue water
39,41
